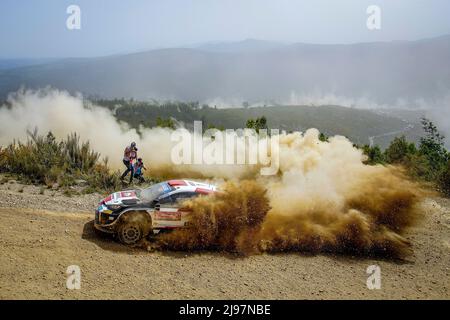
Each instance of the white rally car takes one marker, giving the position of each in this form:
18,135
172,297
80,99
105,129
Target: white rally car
134,214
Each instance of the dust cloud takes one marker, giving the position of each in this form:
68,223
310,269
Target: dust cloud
323,198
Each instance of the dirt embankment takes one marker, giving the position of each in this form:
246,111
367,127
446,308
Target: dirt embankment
42,234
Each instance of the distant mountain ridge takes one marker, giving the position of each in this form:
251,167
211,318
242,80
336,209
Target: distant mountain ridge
247,45
252,70
17,63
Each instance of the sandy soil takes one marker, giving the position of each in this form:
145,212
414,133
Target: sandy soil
42,234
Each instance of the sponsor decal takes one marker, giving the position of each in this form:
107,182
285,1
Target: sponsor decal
127,194
174,183
168,216
203,191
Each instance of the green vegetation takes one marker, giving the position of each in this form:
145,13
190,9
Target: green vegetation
211,126
257,124
398,150
374,155
165,123
43,159
429,162
432,148
323,137
356,124
444,179
152,113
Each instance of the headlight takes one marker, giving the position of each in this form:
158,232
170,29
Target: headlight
114,207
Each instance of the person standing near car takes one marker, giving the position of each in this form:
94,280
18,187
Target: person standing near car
129,154
138,170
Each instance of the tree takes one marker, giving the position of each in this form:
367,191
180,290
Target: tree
165,123
261,123
323,137
374,155
257,124
432,146
398,150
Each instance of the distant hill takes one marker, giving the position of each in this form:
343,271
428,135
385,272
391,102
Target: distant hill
356,124
253,71
17,63
248,45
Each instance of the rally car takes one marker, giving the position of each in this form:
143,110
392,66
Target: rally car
134,214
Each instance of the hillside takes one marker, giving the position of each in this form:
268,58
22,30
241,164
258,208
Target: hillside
357,124
253,71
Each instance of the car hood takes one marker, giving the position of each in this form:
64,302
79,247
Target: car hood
127,197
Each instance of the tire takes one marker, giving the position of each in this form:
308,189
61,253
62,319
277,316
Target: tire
130,233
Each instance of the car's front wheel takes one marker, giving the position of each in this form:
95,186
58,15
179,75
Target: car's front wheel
130,233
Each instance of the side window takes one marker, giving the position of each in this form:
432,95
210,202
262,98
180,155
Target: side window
166,200
182,196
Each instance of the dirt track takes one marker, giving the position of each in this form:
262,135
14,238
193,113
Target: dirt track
39,242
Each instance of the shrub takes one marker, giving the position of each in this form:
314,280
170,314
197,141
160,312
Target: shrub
429,162
45,160
165,123
444,179
417,166
257,124
102,178
398,150
34,158
323,137
78,155
374,155
432,147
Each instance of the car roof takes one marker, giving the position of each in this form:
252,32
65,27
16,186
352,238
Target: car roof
191,186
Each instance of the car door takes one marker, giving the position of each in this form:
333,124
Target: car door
168,213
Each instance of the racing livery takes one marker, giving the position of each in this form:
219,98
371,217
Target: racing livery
134,214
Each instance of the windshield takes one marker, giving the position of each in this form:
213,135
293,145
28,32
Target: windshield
153,192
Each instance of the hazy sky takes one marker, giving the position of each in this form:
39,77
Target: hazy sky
37,28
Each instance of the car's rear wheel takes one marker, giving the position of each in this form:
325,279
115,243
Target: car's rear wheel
130,233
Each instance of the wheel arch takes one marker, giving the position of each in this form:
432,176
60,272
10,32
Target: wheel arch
139,215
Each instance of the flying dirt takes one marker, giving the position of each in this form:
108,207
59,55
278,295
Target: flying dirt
323,198
313,206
